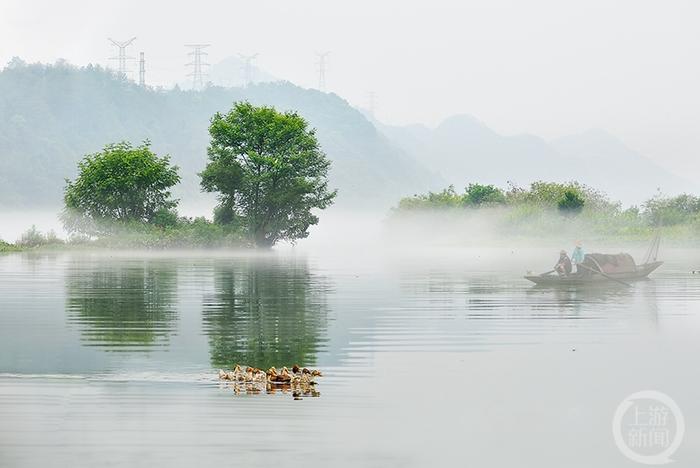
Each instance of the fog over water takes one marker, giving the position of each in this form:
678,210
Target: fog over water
430,356
433,347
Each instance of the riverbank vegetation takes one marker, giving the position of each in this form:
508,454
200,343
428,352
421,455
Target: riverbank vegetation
266,167
5,247
546,209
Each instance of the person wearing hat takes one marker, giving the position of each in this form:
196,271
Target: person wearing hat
563,266
577,255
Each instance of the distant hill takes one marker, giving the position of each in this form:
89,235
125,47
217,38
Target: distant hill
50,116
621,171
462,149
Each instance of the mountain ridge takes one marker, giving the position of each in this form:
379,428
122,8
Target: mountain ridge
463,149
52,115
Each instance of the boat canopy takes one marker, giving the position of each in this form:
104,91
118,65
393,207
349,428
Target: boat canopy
618,263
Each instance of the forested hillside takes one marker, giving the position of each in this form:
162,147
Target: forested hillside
52,115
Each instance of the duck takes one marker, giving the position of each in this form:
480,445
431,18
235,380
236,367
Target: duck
284,376
305,379
259,376
251,379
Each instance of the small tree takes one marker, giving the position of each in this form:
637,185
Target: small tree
478,194
119,184
571,202
269,172
669,211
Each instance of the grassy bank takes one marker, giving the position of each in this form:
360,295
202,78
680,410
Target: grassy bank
542,212
5,247
184,233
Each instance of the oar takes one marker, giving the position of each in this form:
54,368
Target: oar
550,271
604,274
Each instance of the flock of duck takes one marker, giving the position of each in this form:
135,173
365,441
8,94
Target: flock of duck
300,381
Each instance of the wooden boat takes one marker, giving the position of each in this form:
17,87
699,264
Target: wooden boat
578,279
605,269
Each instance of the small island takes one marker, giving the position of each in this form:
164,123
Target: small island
266,168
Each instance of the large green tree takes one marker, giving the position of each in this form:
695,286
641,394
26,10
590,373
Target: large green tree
121,183
269,172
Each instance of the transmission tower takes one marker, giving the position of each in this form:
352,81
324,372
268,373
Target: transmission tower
121,57
142,69
247,67
322,65
197,64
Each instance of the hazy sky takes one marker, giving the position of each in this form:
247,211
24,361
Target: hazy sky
631,67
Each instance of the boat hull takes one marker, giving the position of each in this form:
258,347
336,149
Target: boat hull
642,272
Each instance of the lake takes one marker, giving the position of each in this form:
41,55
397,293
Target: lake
444,357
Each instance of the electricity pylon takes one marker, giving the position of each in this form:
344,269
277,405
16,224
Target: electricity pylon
121,56
247,68
197,64
322,64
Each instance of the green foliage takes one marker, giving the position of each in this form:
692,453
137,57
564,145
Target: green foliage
5,247
670,211
185,233
269,172
571,203
32,237
546,195
165,218
478,195
475,195
545,208
549,194
448,198
121,184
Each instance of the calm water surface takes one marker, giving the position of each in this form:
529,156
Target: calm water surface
446,358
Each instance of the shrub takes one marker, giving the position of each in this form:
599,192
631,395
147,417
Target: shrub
447,198
570,203
32,237
477,195
669,211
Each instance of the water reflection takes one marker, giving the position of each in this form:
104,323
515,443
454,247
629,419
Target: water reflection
122,305
264,312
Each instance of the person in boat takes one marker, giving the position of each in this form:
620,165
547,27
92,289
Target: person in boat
578,255
563,266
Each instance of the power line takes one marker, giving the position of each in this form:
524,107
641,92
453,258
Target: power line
247,68
197,64
121,55
322,65
142,69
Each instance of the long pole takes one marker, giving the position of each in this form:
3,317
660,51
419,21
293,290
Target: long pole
603,274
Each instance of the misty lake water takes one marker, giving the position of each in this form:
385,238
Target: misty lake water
443,358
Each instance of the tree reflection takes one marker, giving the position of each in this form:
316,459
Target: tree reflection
123,305
265,313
